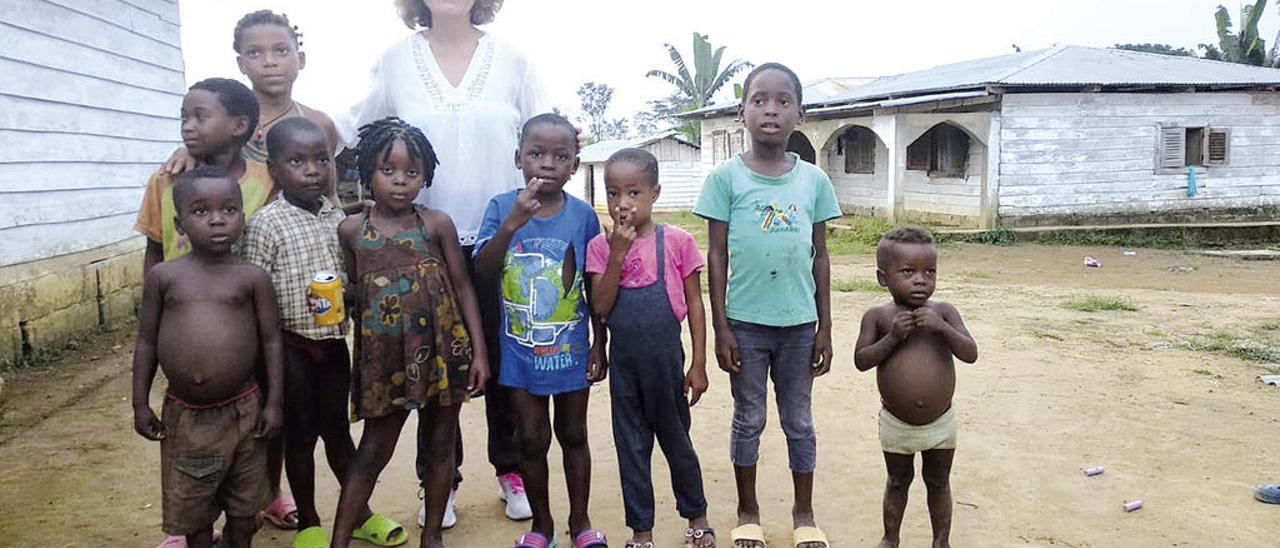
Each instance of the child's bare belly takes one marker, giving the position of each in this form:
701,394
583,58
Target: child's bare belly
917,382
208,353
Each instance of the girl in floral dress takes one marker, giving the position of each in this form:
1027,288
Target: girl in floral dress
415,314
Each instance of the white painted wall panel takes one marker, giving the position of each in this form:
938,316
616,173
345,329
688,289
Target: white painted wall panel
18,113
32,176
69,56
36,82
29,243
57,207
55,20
89,105
1094,154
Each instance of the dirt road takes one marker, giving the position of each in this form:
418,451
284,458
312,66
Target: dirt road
1152,395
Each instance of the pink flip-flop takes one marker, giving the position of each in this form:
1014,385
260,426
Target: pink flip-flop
173,542
591,538
282,513
534,540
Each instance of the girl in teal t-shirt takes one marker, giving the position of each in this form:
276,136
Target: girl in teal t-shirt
766,212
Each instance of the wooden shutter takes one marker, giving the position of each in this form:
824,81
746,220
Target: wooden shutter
859,151
1217,147
919,152
1172,148
717,147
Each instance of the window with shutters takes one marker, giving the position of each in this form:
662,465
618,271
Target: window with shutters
943,151
858,145
1181,147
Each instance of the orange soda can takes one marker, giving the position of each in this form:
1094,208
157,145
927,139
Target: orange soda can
324,298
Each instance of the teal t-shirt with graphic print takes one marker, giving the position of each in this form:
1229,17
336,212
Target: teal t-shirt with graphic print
770,238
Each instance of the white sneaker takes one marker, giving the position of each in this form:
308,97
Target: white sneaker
511,490
450,514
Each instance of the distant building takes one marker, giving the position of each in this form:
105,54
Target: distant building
1064,136
679,170
89,105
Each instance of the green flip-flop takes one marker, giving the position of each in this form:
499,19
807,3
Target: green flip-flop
382,531
311,537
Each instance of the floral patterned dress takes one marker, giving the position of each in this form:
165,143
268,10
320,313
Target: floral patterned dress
412,347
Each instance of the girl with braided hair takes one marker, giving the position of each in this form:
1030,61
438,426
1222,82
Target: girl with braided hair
418,343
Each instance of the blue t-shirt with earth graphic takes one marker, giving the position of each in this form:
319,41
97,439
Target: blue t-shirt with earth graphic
545,323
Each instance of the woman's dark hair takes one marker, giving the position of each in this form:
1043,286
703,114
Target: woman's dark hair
265,17
795,80
235,97
376,140
416,14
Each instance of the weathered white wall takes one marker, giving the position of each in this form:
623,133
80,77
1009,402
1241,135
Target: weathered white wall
681,182
89,97
856,192
1068,157
88,106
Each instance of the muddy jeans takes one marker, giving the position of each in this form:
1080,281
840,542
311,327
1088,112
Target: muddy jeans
783,354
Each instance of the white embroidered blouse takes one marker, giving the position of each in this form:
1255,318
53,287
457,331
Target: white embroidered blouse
474,127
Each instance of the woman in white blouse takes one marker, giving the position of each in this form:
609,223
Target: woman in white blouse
470,93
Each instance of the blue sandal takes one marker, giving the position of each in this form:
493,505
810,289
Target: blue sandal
1269,494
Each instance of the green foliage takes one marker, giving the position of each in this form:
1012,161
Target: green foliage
1002,236
1248,349
848,286
1246,46
855,235
1162,49
1094,303
595,99
693,224
707,77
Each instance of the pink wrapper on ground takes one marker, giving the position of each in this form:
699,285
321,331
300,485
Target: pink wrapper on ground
1094,471
1132,505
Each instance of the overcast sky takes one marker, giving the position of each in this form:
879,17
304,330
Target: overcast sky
617,41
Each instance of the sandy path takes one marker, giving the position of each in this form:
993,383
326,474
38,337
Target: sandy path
1055,390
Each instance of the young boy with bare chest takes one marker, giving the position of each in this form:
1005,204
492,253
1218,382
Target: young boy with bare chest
910,342
206,319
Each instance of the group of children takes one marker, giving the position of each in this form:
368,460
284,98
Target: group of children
226,316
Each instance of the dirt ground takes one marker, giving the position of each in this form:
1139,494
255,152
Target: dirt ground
1182,427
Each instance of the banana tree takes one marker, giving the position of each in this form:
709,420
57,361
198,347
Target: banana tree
707,77
1245,47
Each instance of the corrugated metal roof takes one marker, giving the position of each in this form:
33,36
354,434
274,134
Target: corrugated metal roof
1060,66
601,151
816,91
1066,66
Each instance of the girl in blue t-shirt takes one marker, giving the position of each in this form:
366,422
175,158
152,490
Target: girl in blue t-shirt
766,212
534,242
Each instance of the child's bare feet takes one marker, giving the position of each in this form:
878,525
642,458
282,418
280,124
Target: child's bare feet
888,543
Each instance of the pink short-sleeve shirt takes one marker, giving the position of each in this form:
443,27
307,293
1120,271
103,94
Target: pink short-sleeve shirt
640,270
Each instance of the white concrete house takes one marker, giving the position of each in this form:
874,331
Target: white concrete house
89,106
1065,136
679,169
